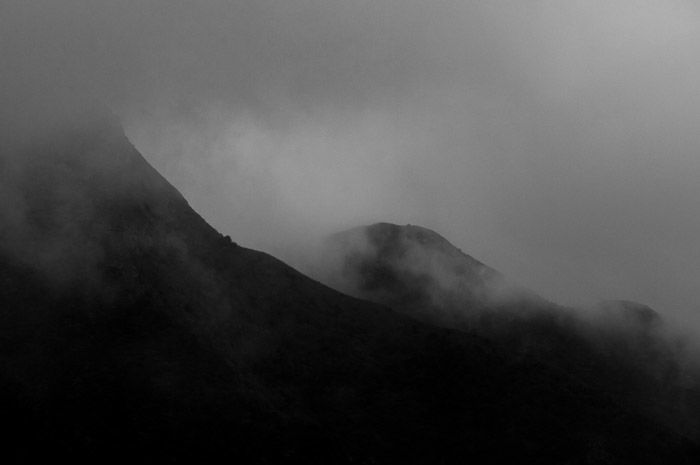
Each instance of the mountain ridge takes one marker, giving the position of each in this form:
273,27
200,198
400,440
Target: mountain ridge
131,328
623,347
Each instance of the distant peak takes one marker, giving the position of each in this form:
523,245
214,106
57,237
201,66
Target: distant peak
635,311
413,232
391,236
415,266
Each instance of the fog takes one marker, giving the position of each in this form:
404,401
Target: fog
554,141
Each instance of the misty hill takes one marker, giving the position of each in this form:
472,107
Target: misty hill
132,330
620,347
417,269
418,272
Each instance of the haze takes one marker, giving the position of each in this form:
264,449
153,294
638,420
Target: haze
555,141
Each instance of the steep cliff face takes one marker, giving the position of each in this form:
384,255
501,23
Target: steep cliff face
130,329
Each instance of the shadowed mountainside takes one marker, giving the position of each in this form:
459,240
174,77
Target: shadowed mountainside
620,347
132,330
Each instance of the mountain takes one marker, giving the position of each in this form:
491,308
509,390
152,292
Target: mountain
132,330
620,347
418,270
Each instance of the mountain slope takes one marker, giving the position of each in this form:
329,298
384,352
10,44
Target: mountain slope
414,268
131,330
619,347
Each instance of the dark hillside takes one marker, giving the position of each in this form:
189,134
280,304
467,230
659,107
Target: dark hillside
131,330
620,348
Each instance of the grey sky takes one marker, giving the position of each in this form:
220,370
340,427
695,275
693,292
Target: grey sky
556,141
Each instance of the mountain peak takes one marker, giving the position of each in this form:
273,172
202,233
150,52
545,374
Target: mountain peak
389,238
631,312
413,267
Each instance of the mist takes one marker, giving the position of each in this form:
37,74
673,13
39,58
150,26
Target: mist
555,142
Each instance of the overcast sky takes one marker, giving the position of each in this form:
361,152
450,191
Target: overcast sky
557,141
